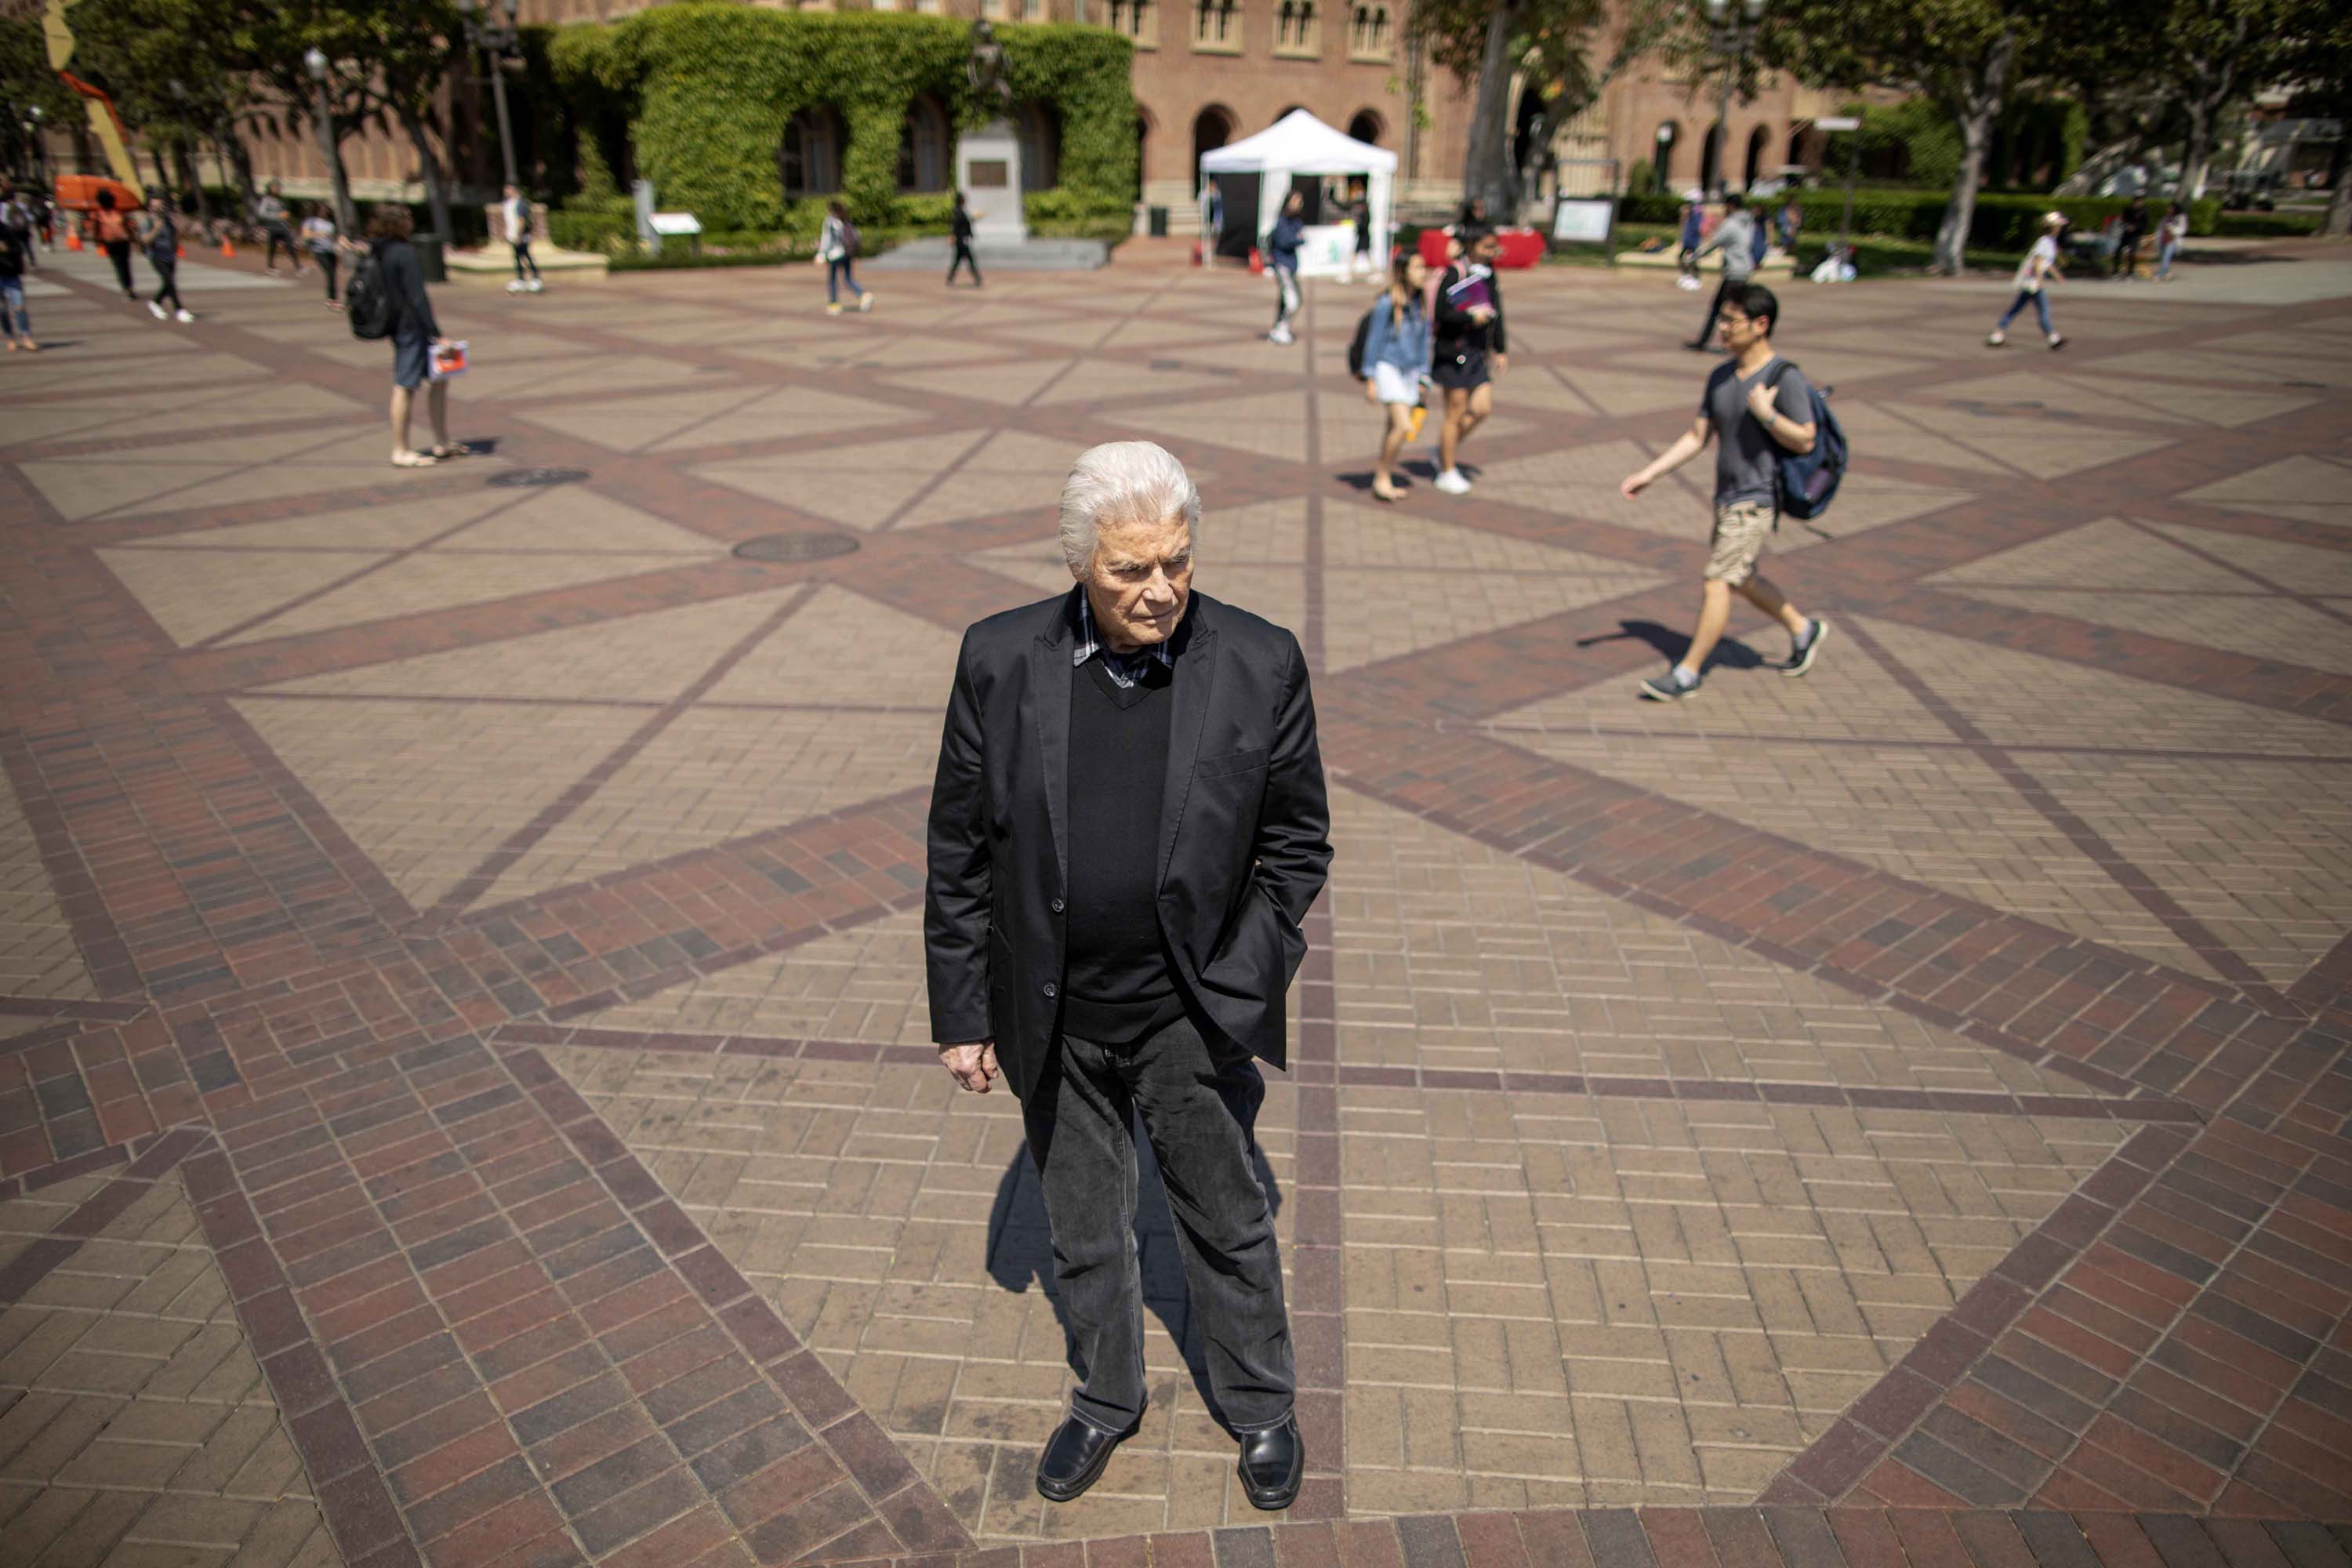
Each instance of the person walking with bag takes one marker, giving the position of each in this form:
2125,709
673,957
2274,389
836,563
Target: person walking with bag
1752,414
516,212
270,211
111,228
16,254
320,236
960,225
1736,237
1397,349
1472,348
837,244
1282,260
2034,276
161,236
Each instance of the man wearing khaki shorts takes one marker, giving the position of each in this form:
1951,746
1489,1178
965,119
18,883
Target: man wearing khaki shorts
1756,414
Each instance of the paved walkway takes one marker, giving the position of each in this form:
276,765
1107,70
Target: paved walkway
463,1087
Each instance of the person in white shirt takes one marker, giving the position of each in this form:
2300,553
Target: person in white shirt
837,251
2170,234
515,213
319,239
2034,276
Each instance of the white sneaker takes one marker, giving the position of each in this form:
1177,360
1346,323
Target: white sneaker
187,315
1452,482
1996,338
158,309
515,286
864,303
1280,335
537,284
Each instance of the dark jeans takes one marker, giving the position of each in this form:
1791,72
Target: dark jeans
117,251
840,270
1715,307
278,234
167,279
2041,300
1199,1107
522,259
329,263
964,257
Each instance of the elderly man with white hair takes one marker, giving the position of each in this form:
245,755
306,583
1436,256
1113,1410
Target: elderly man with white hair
1127,828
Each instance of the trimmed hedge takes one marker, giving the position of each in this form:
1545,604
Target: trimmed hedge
2268,226
710,86
2003,220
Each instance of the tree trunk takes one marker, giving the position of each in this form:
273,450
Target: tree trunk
183,153
1487,172
2196,151
346,215
1975,116
238,163
2337,224
428,167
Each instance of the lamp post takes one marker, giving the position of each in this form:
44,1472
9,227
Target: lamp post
491,29
37,134
1731,31
315,61
1662,163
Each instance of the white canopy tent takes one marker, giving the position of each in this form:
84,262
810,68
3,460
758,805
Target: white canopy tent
1299,143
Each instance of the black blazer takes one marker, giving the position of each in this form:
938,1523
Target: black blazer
1245,830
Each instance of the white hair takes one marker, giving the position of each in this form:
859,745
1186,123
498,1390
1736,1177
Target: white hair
1122,482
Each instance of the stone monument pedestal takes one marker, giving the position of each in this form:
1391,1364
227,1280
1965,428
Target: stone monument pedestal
988,172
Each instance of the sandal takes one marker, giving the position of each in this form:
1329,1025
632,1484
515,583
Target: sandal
460,449
413,460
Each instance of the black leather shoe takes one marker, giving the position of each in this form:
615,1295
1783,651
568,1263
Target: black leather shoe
1074,1458
1272,1463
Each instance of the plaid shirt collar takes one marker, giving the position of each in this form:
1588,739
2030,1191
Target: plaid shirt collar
1122,668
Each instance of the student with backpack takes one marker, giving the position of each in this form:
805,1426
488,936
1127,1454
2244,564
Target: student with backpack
1390,357
110,227
1761,413
15,255
161,233
387,300
837,245
516,211
960,224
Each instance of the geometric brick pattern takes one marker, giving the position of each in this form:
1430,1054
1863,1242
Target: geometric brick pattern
463,1093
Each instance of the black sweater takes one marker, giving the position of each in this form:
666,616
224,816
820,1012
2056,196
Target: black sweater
1455,331
403,281
1116,984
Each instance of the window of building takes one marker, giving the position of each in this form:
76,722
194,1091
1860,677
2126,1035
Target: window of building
1216,23
1139,19
1297,29
809,160
1367,32
1033,10
928,7
923,149
995,10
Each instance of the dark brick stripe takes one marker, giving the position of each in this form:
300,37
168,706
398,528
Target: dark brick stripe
149,1161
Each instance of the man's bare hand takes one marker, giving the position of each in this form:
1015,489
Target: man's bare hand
974,1066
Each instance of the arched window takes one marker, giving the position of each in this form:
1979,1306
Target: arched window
1366,127
1797,145
1132,17
923,148
1710,160
1212,128
1759,141
809,160
1367,31
1295,28
1041,146
1664,145
1214,22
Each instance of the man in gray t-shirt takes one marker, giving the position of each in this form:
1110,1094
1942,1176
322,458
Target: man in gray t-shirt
1755,408
1736,237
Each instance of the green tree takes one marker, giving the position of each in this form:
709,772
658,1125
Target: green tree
161,61
1964,56
26,82
2314,40
1564,51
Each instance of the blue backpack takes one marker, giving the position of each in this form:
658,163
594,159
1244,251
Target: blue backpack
1809,480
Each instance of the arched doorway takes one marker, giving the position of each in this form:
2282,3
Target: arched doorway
1366,127
923,148
1142,147
1666,144
1530,133
1758,142
808,159
1212,128
1797,145
1039,129
1710,160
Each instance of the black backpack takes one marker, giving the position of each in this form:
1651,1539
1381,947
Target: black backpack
1356,346
367,303
853,244
523,221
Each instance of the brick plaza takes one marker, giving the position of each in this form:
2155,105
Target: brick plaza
464,1088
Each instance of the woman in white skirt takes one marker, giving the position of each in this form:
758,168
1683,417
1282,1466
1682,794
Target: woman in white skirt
1396,361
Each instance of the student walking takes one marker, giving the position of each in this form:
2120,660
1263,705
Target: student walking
1792,224
1754,413
1736,237
21,216
2170,234
516,211
1362,260
1397,349
1282,260
837,251
960,225
2034,276
111,229
321,239
1471,348
415,336
162,234
270,212
15,255
1693,231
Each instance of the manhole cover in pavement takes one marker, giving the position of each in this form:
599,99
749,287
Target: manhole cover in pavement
530,479
810,544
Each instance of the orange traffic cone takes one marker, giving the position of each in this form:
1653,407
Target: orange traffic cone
228,249
181,251
73,240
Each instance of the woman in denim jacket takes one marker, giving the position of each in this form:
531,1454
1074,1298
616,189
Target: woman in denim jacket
1396,361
